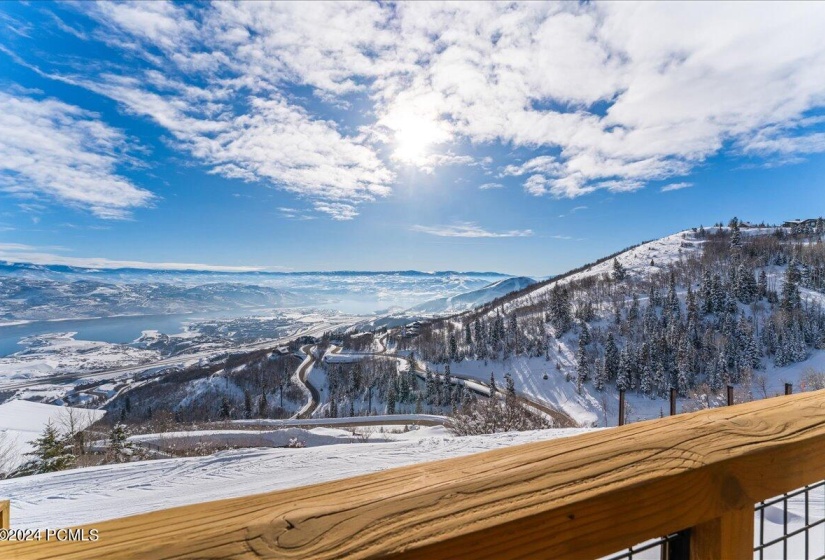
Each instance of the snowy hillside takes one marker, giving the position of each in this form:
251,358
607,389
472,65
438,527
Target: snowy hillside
468,300
692,311
22,422
107,492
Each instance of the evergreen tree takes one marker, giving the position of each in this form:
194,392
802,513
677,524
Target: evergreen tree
647,380
582,365
692,307
226,409
584,335
633,312
623,376
745,286
247,405
672,303
611,358
735,237
600,377
52,452
790,299
619,271
762,285
560,309
391,397
119,450
263,405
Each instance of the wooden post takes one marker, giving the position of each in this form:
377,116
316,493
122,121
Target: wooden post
621,407
672,401
5,508
729,536
788,388
730,395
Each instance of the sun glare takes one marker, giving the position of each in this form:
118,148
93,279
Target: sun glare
414,136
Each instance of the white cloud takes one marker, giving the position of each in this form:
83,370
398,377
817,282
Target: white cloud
468,229
337,210
237,119
621,93
58,151
18,253
294,214
490,186
676,187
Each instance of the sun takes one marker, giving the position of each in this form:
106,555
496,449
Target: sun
414,138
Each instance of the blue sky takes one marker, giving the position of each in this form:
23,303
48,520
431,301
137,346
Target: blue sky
522,138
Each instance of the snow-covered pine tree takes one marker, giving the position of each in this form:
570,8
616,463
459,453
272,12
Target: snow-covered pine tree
619,271
623,375
453,348
118,449
263,405
52,452
600,376
582,364
611,358
247,404
762,285
225,409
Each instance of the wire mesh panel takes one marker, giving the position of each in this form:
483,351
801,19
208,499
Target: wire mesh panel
662,548
792,525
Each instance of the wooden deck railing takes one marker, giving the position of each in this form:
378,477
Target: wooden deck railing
580,497
5,507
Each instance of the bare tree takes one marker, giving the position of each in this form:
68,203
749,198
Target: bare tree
9,454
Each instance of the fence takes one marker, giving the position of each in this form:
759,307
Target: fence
698,474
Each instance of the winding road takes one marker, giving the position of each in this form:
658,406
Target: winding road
561,419
300,377
166,362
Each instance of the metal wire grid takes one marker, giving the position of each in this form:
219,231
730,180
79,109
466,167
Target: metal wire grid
806,529
661,545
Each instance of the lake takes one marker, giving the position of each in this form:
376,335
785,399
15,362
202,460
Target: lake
105,329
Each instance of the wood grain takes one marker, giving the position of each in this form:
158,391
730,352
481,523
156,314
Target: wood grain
727,537
5,508
579,497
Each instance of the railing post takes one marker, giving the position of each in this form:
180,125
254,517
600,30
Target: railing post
673,401
621,407
788,388
5,509
730,395
678,547
729,536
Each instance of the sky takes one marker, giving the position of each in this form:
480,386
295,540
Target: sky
520,138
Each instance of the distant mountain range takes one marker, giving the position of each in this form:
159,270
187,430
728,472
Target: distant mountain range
10,267
469,300
37,292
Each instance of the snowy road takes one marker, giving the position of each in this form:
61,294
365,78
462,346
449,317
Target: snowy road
167,362
476,385
300,377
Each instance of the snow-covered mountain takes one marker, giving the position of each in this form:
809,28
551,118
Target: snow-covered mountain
42,299
39,292
474,298
694,311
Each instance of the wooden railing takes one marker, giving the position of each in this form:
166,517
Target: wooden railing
5,508
579,497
